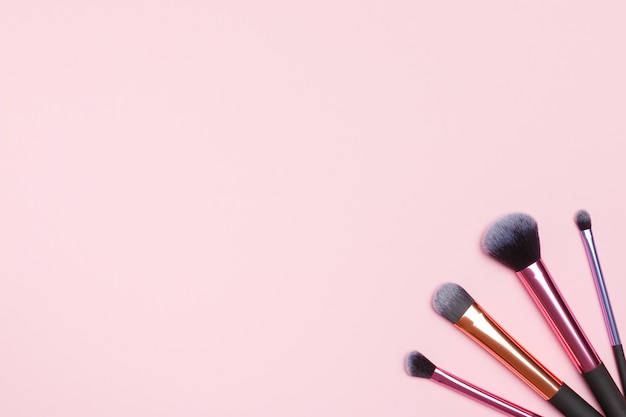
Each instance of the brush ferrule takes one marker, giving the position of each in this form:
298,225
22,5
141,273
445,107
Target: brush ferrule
547,296
479,326
598,279
463,387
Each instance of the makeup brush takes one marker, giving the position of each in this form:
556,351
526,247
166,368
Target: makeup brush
417,365
456,305
583,221
513,240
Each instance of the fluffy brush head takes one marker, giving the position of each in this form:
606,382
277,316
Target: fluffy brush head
452,301
583,220
419,366
513,240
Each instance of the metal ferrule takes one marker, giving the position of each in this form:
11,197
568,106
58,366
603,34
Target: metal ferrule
547,296
457,384
479,326
598,279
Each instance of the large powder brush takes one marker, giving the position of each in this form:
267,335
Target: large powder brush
513,240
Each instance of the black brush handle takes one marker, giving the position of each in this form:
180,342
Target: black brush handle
571,404
606,392
618,352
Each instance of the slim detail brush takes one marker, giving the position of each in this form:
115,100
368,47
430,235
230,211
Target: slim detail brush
417,365
457,306
583,221
513,241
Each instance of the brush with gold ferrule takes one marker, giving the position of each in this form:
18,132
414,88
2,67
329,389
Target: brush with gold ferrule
513,240
456,305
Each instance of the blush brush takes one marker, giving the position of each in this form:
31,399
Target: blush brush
457,306
513,240
583,221
417,365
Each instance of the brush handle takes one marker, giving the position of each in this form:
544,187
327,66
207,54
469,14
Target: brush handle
478,394
571,404
606,392
618,352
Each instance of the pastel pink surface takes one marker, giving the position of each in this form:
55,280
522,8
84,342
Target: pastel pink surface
243,208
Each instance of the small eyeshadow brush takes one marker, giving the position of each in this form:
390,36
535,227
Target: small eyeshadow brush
417,365
583,221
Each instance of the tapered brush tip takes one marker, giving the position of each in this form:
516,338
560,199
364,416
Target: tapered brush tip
513,240
419,366
452,301
583,220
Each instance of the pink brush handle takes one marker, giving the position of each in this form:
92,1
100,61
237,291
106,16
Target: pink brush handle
547,296
472,391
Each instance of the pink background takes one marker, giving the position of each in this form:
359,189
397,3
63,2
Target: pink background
238,208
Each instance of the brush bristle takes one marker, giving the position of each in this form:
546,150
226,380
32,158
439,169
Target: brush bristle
452,301
583,220
513,240
418,365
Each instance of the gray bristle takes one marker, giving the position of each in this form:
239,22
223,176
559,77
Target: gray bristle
513,240
452,301
583,220
419,366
